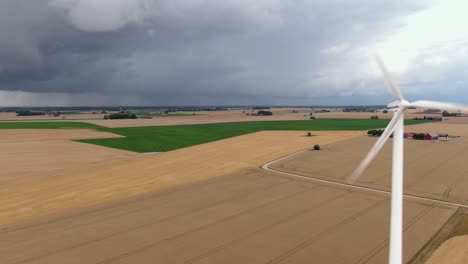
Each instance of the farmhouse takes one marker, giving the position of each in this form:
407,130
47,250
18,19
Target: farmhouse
443,135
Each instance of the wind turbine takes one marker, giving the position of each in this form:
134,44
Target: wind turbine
396,127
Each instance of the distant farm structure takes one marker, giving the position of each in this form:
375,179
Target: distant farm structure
411,135
426,136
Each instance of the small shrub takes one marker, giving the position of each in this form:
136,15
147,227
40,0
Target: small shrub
317,147
309,134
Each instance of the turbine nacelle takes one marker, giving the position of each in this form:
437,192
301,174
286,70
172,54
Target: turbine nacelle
399,104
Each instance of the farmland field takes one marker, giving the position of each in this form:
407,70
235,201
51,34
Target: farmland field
433,169
252,216
117,180
44,125
166,138
141,208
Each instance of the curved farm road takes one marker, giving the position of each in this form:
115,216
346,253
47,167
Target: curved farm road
266,166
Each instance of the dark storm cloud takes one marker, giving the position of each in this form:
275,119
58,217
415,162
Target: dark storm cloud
215,51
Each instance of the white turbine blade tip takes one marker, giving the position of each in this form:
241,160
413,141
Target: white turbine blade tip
394,89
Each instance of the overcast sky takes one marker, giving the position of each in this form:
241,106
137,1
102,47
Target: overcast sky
211,52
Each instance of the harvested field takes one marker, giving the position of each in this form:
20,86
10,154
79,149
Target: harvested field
44,125
433,169
151,173
10,116
200,118
452,251
253,216
359,115
22,135
30,154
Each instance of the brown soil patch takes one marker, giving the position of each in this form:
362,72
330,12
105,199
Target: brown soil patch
252,216
119,180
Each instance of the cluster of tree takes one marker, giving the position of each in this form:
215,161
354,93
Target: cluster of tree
264,112
28,113
375,132
431,111
121,116
54,114
418,136
374,117
445,113
430,118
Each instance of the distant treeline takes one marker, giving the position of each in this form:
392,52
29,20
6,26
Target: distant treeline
121,116
260,107
445,113
360,109
28,113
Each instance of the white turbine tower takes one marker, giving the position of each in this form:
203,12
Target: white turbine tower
396,127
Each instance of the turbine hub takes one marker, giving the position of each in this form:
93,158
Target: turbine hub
404,104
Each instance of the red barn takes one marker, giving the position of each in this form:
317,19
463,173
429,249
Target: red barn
431,136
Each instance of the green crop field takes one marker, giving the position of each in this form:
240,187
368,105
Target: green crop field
166,138
44,125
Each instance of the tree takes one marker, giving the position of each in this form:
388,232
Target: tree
445,113
264,112
317,147
385,111
309,134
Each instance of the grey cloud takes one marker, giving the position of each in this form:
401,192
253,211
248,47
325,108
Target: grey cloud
208,51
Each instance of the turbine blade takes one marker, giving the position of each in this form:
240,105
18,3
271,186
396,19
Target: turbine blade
440,105
393,87
376,148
